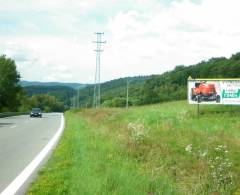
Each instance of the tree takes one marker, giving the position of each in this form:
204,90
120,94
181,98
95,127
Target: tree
46,102
9,88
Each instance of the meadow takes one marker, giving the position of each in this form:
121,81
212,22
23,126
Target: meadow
158,149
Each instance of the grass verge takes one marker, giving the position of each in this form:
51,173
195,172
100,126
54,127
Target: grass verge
159,149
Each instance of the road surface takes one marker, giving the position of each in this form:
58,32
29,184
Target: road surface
21,139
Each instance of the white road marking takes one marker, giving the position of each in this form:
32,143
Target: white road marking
12,127
13,187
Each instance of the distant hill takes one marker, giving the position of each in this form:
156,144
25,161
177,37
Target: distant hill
62,93
49,84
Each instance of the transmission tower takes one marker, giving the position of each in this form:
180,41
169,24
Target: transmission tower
97,86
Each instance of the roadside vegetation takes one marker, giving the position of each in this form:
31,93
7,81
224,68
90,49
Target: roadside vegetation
9,90
157,149
45,102
14,100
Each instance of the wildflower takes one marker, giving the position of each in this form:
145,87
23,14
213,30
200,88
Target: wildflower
203,154
138,131
220,168
189,148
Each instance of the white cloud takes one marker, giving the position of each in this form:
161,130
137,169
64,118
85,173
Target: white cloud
47,5
48,58
143,36
185,33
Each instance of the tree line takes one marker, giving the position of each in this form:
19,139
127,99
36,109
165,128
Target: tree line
62,93
13,97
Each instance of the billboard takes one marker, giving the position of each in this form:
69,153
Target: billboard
214,91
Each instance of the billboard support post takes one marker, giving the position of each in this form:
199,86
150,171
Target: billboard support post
198,111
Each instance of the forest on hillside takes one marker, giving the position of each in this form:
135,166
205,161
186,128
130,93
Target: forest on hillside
169,86
172,85
113,93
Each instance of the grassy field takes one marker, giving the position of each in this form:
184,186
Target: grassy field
158,149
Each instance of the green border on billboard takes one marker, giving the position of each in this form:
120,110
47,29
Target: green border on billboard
214,79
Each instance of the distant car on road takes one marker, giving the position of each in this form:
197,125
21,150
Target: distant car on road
36,112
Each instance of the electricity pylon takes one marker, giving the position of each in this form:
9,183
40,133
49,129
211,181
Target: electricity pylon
97,86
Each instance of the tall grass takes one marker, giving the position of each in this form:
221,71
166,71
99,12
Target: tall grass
87,162
158,149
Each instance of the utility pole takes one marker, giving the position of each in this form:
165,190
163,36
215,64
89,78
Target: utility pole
76,101
97,86
127,92
78,98
73,102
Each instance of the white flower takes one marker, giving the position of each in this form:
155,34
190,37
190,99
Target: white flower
203,154
138,131
188,148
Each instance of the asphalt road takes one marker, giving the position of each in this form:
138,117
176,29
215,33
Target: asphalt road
21,140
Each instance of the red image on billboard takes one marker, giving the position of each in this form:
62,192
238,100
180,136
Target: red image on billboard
204,91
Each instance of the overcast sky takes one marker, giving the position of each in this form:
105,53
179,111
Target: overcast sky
51,40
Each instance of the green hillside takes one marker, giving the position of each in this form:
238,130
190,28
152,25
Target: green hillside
172,85
169,86
158,149
114,91
62,93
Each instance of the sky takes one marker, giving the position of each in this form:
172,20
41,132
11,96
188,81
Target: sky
53,40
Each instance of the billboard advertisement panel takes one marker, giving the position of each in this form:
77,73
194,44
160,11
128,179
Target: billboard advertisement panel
214,91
